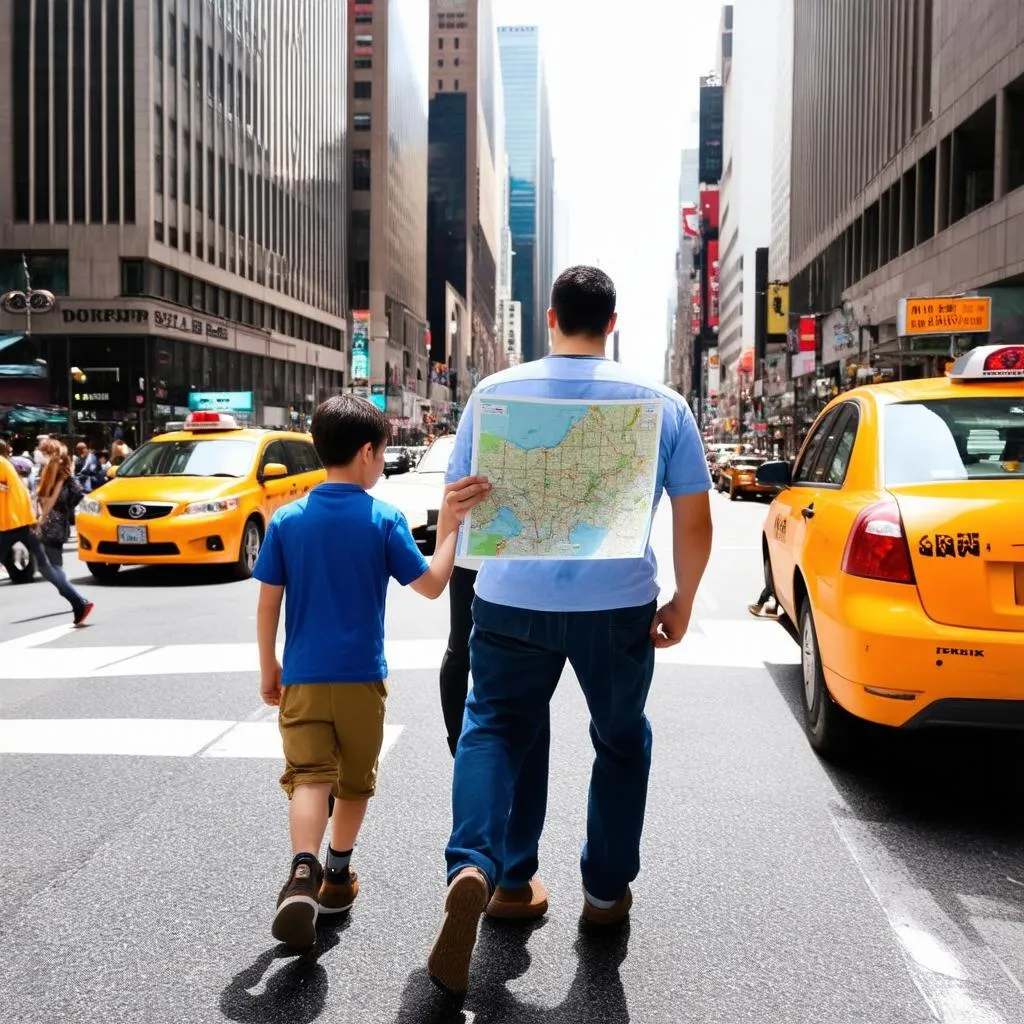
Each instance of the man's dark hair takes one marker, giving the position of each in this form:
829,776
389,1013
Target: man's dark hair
583,299
343,424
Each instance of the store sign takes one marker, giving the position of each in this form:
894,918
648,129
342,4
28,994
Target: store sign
378,395
361,344
166,320
713,283
774,374
804,361
714,373
220,401
838,338
944,315
105,316
691,221
778,308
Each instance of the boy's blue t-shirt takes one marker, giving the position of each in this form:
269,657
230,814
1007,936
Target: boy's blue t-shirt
334,552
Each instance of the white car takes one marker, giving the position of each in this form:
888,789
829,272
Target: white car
418,493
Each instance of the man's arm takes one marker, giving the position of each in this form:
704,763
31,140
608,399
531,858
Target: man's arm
691,549
459,499
268,616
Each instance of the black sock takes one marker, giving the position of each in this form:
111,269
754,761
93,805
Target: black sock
301,858
337,863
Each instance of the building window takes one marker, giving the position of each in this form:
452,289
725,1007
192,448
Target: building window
158,28
440,43
456,85
457,62
363,90
47,270
361,170
364,42
186,52
361,122
440,85
457,42
158,151
363,63
133,277
440,63
172,166
172,41
364,19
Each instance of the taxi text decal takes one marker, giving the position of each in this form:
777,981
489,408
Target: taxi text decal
945,545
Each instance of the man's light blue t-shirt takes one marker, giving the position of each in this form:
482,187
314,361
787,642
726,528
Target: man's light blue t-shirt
334,552
582,585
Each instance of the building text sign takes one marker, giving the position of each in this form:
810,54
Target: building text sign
944,315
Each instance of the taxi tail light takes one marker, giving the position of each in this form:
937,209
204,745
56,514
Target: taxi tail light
877,547
1011,357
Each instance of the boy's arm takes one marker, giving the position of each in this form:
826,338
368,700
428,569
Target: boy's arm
268,616
459,498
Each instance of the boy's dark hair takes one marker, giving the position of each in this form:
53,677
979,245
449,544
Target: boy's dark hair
583,299
343,424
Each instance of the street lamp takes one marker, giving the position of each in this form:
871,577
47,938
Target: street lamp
31,300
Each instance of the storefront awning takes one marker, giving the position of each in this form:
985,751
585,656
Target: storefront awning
30,415
7,340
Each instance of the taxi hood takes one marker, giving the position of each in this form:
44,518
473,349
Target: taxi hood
182,489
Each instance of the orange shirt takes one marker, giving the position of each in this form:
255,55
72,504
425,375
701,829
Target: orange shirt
15,503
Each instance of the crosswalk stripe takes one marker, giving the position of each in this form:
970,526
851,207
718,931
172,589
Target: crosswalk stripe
712,643
151,737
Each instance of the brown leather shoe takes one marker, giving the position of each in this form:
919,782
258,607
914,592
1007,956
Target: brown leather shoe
612,915
526,903
448,964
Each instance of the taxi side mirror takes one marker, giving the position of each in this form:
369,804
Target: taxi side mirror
777,474
273,471
111,472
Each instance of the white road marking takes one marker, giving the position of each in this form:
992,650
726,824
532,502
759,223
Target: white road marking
950,968
151,737
712,643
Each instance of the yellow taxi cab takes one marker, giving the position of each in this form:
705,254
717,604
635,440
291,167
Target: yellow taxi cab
199,496
896,548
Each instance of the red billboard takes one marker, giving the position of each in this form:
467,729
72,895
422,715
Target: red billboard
709,209
804,360
712,257
691,221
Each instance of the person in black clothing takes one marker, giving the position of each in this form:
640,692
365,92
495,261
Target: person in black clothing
455,664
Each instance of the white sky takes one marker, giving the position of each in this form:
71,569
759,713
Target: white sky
624,92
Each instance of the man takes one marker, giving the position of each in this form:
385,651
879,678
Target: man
529,618
17,526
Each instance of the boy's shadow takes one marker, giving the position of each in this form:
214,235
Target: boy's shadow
297,993
501,955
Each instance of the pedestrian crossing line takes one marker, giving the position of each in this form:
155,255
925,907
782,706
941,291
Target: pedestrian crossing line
152,737
711,643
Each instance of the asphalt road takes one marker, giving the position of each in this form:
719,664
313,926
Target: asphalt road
143,836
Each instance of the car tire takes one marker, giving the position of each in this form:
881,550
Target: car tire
249,548
20,572
829,727
105,572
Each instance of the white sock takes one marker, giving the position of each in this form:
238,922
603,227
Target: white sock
595,902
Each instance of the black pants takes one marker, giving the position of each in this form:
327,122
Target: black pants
455,665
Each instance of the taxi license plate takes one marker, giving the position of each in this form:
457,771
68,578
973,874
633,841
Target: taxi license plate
132,535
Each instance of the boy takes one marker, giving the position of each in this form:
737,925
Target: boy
333,552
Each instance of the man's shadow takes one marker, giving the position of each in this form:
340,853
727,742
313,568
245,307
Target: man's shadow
296,993
501,955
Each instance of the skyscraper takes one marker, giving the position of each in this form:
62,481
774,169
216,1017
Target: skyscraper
532,172
464,195
169,180
389,47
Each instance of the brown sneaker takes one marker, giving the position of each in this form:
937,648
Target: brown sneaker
612,915
298,906
448,964
338,896
525,903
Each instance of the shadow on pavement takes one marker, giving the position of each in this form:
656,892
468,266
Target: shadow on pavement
296,994
596,993
163,576
924,794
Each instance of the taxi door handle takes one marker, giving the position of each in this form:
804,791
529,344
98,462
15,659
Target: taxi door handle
808,513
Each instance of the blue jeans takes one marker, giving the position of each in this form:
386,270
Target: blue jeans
53,573
499,790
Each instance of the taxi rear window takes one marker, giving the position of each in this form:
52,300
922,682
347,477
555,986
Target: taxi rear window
955,439
208,457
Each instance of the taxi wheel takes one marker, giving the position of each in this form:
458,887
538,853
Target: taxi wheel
249,550
103,570
829,726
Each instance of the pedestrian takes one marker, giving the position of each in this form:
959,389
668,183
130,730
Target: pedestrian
89,473
119,451
18,523
455,663
532,616
57,497
331,690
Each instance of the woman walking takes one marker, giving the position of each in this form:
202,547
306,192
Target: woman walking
57,495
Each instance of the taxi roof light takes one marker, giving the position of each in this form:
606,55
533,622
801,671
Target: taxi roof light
208,420
877,546
990,362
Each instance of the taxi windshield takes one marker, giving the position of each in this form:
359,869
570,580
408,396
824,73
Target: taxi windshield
436,459
207,457
955,439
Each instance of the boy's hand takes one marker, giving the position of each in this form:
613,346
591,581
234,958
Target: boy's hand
270,686
461,497
670,623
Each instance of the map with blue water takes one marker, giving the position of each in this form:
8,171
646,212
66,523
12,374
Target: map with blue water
569,479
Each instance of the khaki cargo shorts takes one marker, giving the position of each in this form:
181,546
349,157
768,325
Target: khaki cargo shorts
332,732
